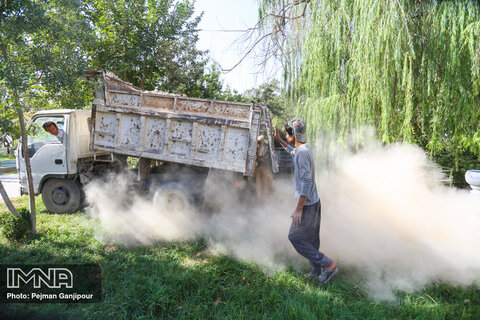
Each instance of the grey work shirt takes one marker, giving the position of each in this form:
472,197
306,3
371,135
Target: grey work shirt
304,173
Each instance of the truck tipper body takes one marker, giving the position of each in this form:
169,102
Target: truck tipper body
158,126
196,135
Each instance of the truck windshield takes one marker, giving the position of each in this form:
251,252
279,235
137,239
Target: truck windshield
40,137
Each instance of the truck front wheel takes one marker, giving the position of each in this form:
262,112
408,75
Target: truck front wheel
61,195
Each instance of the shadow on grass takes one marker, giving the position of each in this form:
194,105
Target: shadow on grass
182,280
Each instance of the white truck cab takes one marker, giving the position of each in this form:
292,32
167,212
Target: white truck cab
54,160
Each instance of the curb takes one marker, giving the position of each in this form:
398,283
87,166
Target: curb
8,170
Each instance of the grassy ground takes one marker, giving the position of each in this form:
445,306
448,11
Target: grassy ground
6,157
184,281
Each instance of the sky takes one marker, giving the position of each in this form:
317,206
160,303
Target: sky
228,48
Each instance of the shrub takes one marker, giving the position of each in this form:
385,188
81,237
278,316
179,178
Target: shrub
13,227
460,164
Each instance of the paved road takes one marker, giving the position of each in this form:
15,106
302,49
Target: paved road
11,184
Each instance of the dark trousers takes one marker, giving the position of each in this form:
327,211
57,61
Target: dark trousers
306,237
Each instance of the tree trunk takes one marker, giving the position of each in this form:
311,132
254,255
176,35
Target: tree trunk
31,193
21,120
7,201
144,77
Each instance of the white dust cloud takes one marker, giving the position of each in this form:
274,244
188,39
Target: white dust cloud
130,219
384,212
236,225
250,232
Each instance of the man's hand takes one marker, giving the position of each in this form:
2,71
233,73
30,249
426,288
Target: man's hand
297,214
296,217
276,134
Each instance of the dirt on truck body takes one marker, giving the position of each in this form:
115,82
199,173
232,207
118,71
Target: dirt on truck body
172,128
188,136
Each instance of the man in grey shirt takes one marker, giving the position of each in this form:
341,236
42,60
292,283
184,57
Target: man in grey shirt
304,232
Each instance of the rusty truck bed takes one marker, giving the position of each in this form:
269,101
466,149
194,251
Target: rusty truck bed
160,126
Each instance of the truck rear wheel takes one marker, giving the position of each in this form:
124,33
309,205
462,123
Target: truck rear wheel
173,195
61,195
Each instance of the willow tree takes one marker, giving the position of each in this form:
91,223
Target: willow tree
408,68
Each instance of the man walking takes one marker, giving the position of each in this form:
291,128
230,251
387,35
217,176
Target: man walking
304,231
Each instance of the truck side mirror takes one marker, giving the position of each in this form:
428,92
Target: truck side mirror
7,141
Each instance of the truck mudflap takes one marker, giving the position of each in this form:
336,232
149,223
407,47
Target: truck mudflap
160,126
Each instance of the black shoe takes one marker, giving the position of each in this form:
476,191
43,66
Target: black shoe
312,275
326,275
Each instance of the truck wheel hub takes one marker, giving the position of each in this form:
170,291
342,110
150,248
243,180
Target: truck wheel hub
60,195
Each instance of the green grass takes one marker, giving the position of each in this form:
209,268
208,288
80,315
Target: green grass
183,280
7,157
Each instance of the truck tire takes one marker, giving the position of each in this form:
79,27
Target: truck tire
62,195
173,195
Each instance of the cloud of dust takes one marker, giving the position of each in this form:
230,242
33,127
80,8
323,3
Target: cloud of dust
256,233
235,225
384,212
130,219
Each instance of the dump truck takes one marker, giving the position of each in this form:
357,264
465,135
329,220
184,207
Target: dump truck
177,140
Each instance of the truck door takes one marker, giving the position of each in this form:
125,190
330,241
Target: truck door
47,152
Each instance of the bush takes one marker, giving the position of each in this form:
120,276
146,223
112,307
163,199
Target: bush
461,164
7,153
13,227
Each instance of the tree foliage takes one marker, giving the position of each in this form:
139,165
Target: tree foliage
43,40
50,44
408,68
42,55
151,44
273,95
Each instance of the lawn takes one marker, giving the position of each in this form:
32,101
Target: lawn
184,280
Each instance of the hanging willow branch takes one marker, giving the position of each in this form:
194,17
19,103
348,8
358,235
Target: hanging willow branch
409,69
276,22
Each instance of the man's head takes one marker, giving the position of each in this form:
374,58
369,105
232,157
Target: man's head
296,131
51,127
